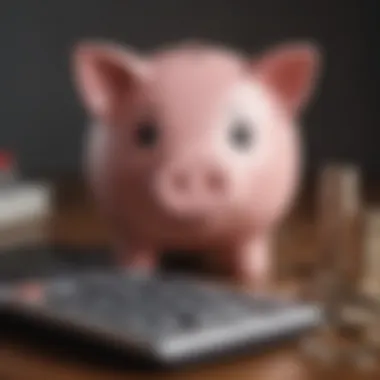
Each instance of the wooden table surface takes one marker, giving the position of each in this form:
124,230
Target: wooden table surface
74,221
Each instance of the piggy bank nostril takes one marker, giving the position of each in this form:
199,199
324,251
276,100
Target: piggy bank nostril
215,182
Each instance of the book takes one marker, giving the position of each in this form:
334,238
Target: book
23,202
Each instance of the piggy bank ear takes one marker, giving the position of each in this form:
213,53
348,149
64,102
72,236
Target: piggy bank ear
290,71
105,76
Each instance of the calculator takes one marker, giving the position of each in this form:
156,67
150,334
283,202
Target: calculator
166,319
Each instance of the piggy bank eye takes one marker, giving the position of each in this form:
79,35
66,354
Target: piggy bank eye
241,135
146,135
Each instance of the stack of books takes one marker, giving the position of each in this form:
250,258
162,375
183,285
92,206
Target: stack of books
22,203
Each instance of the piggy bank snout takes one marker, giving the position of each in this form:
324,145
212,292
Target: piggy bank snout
187,188
192,184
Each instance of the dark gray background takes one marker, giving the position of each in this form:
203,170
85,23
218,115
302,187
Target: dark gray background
41,120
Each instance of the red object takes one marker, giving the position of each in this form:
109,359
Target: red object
6,160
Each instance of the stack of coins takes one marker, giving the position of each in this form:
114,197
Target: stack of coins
370,284
339,222
368,298
340,231
348,275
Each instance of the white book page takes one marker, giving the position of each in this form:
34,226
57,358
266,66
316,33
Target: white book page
24,202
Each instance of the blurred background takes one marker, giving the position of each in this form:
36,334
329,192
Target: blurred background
42,123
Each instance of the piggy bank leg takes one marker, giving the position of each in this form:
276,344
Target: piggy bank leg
253,262
136,258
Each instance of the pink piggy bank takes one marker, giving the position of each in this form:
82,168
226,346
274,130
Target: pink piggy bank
195,147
